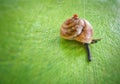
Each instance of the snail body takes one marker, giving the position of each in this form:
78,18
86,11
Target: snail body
79,30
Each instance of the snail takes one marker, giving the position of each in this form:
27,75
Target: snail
79,30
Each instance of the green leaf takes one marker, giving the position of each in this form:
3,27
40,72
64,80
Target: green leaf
32,51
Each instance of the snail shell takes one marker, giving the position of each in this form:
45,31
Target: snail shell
77,29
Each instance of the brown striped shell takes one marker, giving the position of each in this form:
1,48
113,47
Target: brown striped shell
77,29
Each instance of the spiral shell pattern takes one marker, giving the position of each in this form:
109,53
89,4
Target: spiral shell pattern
77,29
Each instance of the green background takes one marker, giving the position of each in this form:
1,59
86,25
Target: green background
32,51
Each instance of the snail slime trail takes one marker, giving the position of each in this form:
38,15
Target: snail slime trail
79,30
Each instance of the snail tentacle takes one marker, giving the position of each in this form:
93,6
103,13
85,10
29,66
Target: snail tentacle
95,41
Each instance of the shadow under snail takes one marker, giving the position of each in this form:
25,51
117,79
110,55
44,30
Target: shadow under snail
79,30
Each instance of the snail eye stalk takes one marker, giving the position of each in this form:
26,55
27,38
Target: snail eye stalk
88,51
95,40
